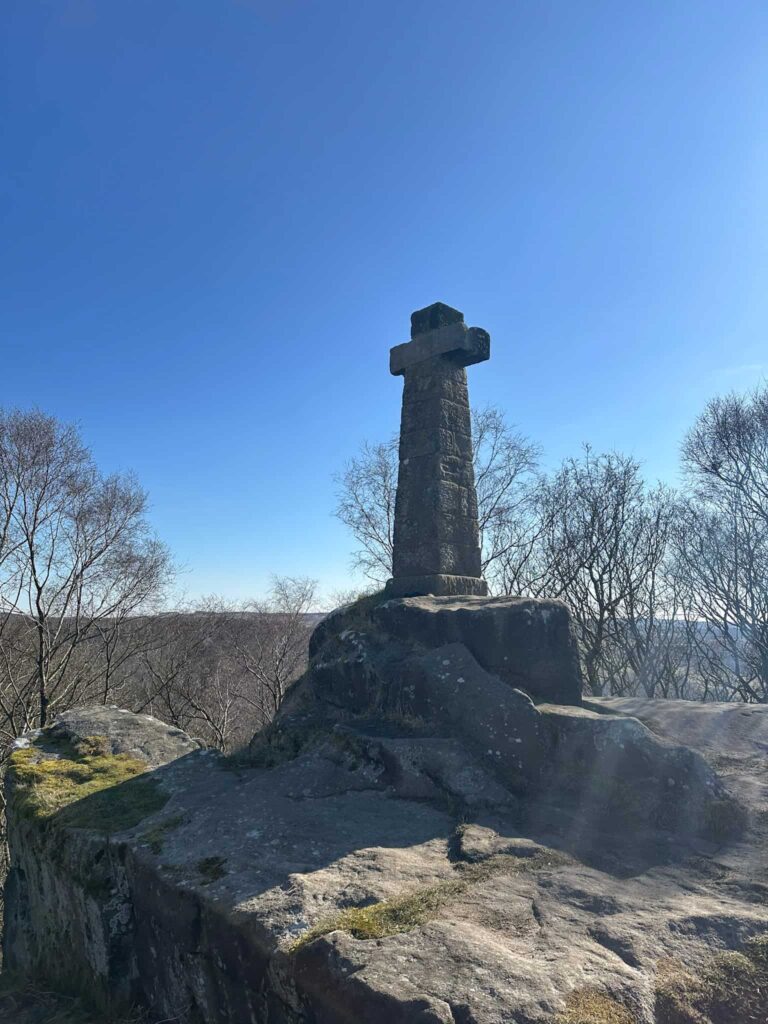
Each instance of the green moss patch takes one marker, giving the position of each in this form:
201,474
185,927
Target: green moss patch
212,869
388,917
403,913
732,987
590,1006
81,785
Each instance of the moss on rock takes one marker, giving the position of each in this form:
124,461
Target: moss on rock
732,987
403,913
212,869
80,784
388,917
591,1006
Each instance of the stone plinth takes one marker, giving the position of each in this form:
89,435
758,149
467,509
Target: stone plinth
527,643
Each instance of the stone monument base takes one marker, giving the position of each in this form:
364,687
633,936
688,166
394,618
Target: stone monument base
438,584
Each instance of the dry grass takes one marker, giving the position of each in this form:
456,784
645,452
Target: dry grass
733,987
212,869
724,818
403,913
377,920
82,786
590,1006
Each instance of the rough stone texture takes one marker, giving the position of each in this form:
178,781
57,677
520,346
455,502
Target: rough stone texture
612,771
461,344
552,847
731,736
140,736
436,540
438,584
340,825
86,909
720,730
433,317
417,660
449,689
528,643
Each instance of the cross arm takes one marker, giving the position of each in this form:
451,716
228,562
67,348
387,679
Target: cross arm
460,344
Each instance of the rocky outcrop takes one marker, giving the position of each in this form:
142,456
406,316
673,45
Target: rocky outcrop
68,904
528,644
482,671
417,840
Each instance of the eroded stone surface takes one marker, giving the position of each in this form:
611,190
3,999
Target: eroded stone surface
329,829
413,660
140,736
526,642
554,847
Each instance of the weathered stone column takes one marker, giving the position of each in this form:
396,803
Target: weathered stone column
436,540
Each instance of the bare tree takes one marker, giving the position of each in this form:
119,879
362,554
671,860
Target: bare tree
726,452
366,504
271,652
668,593
79,557
723,558
185,674
722,543
220,670
504,464
602,539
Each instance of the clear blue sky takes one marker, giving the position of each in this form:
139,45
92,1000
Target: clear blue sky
217,217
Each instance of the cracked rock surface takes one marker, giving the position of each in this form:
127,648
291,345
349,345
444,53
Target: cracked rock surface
389,866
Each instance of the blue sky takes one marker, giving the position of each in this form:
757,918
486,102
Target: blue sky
217,217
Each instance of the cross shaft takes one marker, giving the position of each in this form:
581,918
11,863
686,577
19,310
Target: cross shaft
436,537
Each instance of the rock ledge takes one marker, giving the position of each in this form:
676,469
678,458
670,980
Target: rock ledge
424,843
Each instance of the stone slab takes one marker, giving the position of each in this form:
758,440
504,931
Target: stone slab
526,642
438,314
437,584
463,345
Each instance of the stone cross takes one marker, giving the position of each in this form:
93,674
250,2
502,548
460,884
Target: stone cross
436,539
